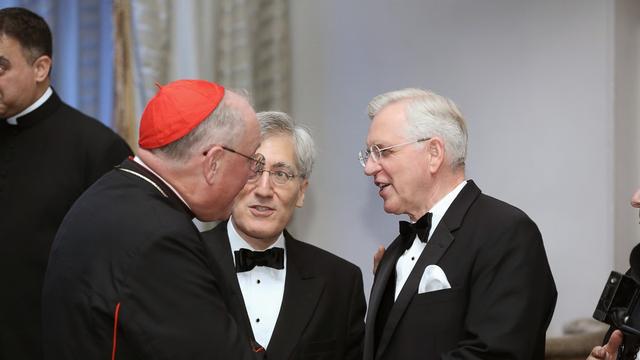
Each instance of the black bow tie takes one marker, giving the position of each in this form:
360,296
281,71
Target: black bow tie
408,231
247,259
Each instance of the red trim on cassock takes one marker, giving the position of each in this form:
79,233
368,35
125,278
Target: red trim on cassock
115,331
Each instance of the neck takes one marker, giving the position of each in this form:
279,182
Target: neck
177,175
443,183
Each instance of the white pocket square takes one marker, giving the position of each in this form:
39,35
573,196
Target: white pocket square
433,279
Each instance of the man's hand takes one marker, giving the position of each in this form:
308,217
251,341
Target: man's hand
635,199
610,350
377,257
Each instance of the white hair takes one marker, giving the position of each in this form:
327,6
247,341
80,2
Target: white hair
428,115
278,123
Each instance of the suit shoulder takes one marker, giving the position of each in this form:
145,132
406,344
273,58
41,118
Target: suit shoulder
500,210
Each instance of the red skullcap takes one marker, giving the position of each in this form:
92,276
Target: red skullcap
176,109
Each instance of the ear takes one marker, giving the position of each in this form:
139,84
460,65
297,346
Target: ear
435,150
301,192
41,67
211,163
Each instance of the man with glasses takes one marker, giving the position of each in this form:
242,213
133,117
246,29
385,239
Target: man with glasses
128,275
292,298
468,277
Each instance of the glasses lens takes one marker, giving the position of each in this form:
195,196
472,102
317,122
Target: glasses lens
363,156
375,152
280,177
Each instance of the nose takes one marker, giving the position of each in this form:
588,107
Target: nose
371,167
263,185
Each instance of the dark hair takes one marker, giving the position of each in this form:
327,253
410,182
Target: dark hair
29,29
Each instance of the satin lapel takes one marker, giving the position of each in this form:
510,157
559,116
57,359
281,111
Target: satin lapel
302,290
438,244
382,277
216,242
436,247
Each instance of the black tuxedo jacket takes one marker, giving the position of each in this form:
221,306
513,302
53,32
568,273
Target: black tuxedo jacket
128,259
502,293
322,312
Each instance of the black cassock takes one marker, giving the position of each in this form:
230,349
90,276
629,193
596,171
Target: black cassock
46,161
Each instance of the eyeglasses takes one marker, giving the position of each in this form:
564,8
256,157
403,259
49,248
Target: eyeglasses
278,176
256,161
376,153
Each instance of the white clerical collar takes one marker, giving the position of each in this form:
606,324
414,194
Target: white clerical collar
47,94
440,208
139,161
237,242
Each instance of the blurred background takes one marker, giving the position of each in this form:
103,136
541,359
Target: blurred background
550,90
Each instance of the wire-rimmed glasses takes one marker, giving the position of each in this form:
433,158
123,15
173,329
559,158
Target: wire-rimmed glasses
277,176
256,161
376,153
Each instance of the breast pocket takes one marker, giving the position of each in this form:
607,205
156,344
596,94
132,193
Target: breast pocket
454,295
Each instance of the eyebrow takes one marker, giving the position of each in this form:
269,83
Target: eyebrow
283,165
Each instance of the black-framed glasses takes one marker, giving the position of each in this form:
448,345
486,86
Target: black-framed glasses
256,161
277,176
376,152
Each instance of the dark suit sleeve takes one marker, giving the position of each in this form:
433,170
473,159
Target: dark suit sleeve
511,297
357,311
172,308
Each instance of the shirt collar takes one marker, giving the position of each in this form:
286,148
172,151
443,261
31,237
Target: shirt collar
47,94
440,208
237,242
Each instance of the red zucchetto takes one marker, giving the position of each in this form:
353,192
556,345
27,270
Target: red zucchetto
176,109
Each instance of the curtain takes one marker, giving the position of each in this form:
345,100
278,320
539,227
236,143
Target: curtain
241,44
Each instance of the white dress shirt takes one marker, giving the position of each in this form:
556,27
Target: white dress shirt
262,289
407,261
47,94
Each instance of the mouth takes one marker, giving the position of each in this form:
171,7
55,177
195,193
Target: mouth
381,186
261,210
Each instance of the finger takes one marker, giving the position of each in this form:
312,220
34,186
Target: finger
614,342
377,257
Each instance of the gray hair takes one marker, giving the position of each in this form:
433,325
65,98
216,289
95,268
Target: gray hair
278,123
224,126
428,115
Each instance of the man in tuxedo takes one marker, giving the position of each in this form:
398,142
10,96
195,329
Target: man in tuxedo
49,154
468,277
609,351
296,300
128,275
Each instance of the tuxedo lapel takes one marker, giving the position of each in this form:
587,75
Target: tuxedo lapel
302,291
383,276
217,244
438,244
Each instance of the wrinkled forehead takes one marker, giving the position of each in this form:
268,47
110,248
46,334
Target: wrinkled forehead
279,151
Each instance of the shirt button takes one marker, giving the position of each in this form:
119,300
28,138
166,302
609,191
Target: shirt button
258,281
413,258
258,320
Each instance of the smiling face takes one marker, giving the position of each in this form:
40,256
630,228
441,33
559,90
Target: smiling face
263,209
401,174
